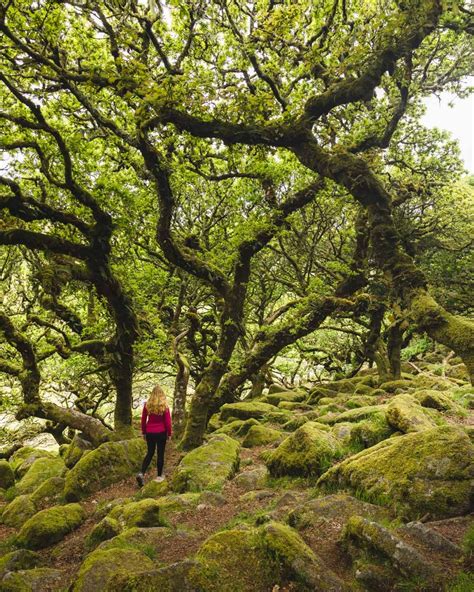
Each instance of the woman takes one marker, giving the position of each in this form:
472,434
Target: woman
156,429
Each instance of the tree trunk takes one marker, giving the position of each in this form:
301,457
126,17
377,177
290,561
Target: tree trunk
394,349
180,392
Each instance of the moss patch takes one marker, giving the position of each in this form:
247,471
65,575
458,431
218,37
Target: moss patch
418,473
48,493
309,451
246,410
7,477
50,526
40,471
146,512
405,414
107,464
33,580
208,466
18,511
261,435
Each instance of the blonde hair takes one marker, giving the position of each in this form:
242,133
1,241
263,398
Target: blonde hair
157,403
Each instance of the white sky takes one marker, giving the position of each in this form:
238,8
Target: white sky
458,119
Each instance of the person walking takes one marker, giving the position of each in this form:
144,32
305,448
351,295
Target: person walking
156,429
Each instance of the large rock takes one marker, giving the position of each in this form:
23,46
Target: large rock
428,472
255,477
104,530
309,451
19,559
100,567
291,396
76,450
260,435
107,464
49,493
404,413
238,427
22,459
7,477
438,400
40,471
50,526
246,410
40,579
146,512
171,578
208,466
353,415
17,512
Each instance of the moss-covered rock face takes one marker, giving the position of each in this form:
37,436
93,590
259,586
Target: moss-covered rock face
107,464
106,529
26,456
405,414
419,473
78,447
40,471
153,489
246,410
296,560
20,559
208,466
7,477
171,578
309,451
33,580
48,493
353,415
392,385
238,427
318,393
100,567
50,526
18,511
146,512
335,506
261,435
438,400
234,561
290,396
254,478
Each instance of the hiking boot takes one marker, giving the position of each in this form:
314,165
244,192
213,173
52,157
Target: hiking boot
159,479
140,479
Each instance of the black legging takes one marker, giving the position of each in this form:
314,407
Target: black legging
157,440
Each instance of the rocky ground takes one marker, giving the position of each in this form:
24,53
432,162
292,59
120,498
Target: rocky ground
349,485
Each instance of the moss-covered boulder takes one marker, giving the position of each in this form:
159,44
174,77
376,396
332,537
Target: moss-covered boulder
246,410
427,472
293,406
309,451
260,435
78,447
352,415
17,512
40,579
49,493
106,529
318,393
208,466
100,567
146,512
234,561
405,414
19,559
26,456
238,427
7,477
289,396
438,400
171,578
392,385
368,432
40,471
255,477
107,464
297,561
50,526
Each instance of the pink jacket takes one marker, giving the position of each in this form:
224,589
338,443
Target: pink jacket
156,423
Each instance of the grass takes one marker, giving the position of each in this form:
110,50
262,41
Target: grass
464,582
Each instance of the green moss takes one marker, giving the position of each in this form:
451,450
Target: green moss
295,423
100,567
153,489
463,582
78,447
419,473
109,463
18,511
32,580
441,401
26,453
318,393
288,396
208,466
50,526
7,477
404,413
40,471
260,435
392,385
48,493
309,451
20,559
171,578
146,512
468,541
353,415
246,410
238,427
293,406
234,561
214,422
106,529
